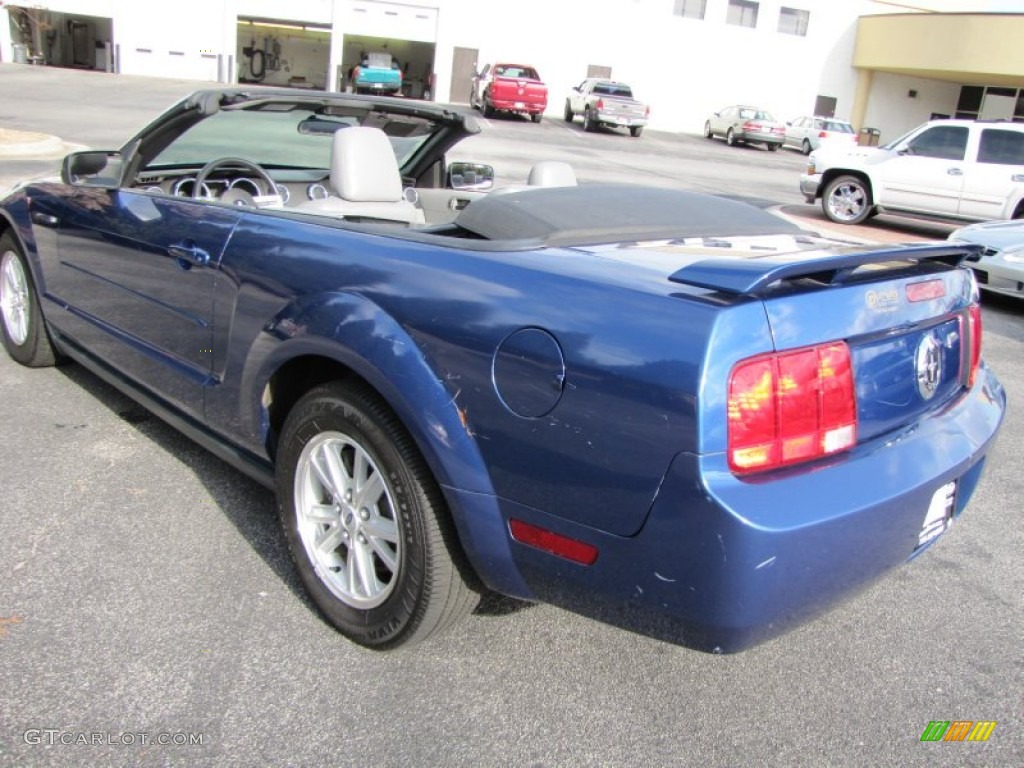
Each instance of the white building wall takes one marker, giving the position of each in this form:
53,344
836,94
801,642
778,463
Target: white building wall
894,111
684,68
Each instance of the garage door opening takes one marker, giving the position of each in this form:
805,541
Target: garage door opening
284,53
39,36
415,60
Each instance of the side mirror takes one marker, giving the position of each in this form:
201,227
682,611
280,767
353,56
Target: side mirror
93,169
470,176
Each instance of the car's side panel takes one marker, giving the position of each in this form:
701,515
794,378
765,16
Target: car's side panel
135,273
596,456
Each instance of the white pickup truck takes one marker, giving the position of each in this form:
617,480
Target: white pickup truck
606,102
962,170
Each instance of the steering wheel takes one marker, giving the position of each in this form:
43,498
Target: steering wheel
234,162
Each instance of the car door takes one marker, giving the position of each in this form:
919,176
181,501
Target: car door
480,83
721,121
994,183
578,97
927,172
137,271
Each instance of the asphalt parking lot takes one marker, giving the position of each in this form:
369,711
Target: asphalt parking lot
147,595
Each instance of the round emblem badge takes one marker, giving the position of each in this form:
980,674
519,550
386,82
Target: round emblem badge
928,366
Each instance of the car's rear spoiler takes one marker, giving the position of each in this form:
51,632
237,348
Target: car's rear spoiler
754,277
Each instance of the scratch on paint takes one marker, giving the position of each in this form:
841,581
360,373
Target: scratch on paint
722,545
7,620
664,578
767,562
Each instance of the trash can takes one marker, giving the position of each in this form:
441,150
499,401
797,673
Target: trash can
869,137
20,53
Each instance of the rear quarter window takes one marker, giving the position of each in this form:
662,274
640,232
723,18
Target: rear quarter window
1001,147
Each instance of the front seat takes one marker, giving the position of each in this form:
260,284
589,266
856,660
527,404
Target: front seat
365,182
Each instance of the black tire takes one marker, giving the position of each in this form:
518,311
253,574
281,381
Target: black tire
806,147
568,112
708,133
21,320
399,540
847,200
730,138
636,130
589,124
485,108
472,99
773,147
536,117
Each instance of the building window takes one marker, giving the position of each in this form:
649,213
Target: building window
691,9
742,13
793,21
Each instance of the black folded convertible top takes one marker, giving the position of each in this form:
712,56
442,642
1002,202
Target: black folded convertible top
592,214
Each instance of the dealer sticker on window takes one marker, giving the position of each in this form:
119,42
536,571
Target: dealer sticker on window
940,513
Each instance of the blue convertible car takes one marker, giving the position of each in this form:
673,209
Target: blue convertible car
666,410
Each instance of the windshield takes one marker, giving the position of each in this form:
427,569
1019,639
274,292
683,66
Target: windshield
292,137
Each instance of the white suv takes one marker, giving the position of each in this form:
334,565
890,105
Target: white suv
952,169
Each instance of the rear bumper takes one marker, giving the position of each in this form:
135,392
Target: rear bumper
765,138
722,564
511,105
622,121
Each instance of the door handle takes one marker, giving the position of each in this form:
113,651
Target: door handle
955,171
44,219
1017,177
189,255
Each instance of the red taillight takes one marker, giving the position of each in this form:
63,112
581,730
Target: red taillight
926,290
600,104
822,134
553,543
751,126
789,407
974,331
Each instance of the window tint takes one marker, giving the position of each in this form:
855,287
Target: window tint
948,142
1001,147
691,9
793,21
742,13
613,89
838,126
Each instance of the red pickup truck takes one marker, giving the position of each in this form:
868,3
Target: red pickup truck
509,88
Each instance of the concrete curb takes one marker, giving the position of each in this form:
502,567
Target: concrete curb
29,144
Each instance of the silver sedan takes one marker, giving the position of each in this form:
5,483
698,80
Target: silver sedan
1000,267
744,125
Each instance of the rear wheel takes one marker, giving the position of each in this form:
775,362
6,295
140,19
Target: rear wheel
568,112
536,117
486,108
730,138
806,147
635,130
589,124
24,333
847,200
773,147
365,521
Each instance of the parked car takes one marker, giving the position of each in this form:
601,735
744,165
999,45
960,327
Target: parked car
509,88
608,103
963,170
767,421
377,72
810,133
999,267
744,125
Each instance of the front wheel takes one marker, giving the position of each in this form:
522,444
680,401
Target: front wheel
847,200
365,521
708,133
636,130
25,336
